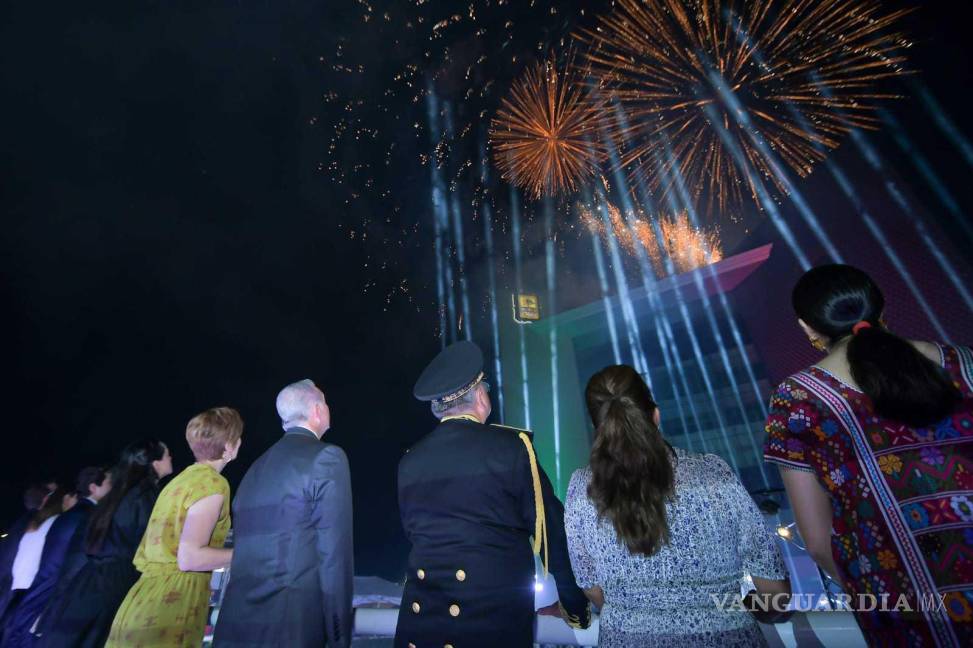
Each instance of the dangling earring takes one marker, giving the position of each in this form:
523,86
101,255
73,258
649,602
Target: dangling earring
818,344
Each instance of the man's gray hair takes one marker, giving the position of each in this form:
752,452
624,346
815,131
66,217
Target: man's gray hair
462,404
296,401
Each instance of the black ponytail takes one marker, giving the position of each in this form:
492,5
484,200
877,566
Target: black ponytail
134,470
902,383
631,472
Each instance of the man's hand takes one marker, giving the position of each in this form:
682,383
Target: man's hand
553,610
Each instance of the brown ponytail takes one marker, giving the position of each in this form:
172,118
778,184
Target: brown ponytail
631,473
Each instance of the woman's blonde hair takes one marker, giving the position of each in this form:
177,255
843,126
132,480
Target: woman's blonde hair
208,433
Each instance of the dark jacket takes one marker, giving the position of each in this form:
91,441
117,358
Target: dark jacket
57,544
467,499
81,615
291,576
8,553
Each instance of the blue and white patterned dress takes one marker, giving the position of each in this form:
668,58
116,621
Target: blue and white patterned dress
717,534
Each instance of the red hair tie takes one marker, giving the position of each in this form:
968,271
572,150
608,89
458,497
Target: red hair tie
860,326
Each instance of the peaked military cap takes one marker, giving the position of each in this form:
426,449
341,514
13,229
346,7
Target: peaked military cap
453,373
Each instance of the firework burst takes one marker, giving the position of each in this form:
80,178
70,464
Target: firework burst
674,237
544,137
713,91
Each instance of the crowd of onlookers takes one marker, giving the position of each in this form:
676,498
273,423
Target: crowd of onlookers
873,442
44,546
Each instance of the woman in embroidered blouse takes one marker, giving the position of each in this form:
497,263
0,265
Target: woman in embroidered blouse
183,543
658,535
874,448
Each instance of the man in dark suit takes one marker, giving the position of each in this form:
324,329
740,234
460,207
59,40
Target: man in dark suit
474,504
291,575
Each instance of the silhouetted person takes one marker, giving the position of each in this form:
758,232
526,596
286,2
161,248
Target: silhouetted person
472,497
60,558
83,615
292,573
22,556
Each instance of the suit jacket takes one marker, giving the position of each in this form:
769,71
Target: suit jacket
57,546
292,571
467,499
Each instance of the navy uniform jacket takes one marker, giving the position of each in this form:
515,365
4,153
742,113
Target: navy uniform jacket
291,576
466,495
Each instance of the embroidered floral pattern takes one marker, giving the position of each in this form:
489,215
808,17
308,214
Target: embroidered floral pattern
928,470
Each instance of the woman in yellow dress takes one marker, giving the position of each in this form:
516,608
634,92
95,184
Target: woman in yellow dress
183,543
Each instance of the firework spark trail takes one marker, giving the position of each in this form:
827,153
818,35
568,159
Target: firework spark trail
658,60
542,132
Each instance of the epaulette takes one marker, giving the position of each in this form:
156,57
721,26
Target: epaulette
515,430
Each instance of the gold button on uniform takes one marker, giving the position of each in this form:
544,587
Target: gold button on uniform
415,607
421,573
460,575
454,610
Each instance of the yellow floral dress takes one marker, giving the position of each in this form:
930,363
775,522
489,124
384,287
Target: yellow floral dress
167,607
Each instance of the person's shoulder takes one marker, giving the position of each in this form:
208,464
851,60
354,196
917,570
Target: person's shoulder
581,476
579,481
708,466
508,434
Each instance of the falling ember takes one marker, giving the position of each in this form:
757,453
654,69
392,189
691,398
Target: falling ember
686,246
802,74
544,136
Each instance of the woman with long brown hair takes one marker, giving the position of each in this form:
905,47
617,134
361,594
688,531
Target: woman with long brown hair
658,536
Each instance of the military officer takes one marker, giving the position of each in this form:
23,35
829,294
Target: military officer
476,507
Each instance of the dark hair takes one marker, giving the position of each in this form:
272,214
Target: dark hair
631,473
86,477
133,470
34,496
902,383
50,507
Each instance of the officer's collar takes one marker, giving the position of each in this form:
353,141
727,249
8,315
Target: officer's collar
460,417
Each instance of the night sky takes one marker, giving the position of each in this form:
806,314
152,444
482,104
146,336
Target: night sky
183,230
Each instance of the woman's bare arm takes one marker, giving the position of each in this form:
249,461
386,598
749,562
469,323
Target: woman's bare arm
812,511
194,552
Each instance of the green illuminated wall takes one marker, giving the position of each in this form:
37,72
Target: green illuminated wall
572,428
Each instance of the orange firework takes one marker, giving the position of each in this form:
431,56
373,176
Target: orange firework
714,91
688,247
544,136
